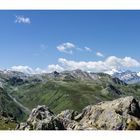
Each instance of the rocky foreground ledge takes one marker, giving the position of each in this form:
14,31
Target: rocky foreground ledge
120,114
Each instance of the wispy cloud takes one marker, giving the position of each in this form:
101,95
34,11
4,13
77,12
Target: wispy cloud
79,49
43,47
66,47
22,19
70,47
99,54
87,49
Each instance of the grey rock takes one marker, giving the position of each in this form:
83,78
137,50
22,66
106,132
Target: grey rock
68,114
42,118
111,115
120,114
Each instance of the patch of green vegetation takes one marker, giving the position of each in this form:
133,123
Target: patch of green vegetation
7,124
60,95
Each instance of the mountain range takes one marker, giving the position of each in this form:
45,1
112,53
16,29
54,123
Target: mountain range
21,92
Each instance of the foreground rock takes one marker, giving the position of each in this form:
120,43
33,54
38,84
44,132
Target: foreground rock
120,114
42,118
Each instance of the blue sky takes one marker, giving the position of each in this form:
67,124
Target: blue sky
63,39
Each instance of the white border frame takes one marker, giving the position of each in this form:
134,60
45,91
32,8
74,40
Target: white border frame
69,4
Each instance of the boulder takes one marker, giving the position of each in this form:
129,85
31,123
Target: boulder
111,115
67,117
42,118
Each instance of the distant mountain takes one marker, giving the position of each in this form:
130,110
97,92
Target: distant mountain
16,77
128,76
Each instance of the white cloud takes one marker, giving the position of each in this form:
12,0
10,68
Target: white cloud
86,66
22,19
138,73
87,49
52,68
111,63
27,69
39,71
66,47
99,54
24,69
126,62
69,47
79,49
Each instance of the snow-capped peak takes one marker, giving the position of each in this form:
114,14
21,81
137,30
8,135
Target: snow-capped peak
138,74
113,71
128,76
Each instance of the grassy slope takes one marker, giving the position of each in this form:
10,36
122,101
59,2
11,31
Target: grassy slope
7,124
7,105
60,95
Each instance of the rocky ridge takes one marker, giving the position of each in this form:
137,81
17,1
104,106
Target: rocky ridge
119,114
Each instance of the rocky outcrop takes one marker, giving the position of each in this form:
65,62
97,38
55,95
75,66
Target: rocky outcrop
42,118
112,115
120,114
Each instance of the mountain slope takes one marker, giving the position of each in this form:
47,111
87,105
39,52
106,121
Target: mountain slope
60,91
8,105
69,90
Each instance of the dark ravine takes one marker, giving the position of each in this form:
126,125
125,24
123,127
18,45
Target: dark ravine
19,104
9,106
119,114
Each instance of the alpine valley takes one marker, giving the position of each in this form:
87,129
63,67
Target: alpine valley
69,100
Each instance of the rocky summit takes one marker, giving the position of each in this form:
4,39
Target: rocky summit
119,114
